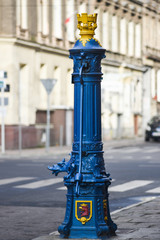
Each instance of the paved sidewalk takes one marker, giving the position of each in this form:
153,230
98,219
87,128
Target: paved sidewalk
139,222
58,150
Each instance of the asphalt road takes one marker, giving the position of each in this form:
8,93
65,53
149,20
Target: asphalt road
33,204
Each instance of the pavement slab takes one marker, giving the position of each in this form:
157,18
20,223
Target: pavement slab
28,222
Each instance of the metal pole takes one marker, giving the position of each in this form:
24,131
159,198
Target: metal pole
19,114
48,124
61,136
2,123
48,85
79,175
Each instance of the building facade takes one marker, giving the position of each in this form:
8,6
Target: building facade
34,40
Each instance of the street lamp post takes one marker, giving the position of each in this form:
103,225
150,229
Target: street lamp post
87,211
3,76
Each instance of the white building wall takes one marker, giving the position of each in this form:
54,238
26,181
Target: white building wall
121,99
27,67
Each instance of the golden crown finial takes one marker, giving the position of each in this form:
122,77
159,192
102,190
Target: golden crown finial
86,24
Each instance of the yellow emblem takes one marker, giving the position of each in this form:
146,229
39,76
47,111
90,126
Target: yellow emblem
83,211
87,24
105,210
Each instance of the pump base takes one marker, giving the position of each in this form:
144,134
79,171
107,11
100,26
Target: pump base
88,215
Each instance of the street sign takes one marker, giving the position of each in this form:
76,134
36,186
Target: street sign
2,84
48,84
3,111
5,101
3,74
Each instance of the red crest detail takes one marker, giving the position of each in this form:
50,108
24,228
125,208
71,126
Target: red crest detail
84,210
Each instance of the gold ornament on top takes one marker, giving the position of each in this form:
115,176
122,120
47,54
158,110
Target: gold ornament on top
87,24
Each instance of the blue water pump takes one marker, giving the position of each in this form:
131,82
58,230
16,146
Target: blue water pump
87,210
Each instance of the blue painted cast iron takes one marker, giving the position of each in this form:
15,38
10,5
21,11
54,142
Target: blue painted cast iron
87,211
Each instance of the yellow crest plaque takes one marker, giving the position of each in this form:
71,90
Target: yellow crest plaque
83,211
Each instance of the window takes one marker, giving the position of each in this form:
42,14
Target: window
152,32
114,34
69,89
98,29
56,93
153,83
145,30
82,8
24,94
158,86
43,71
158,32
123,36
42,92
130,38
70,14
57,18
138,40
22,15
43,17
105,30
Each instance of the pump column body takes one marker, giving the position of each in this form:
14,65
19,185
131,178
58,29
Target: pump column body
87,211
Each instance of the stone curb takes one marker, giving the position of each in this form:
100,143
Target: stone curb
59,150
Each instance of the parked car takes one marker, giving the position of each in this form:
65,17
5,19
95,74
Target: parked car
153,129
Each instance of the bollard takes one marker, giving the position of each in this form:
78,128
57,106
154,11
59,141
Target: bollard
87,210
